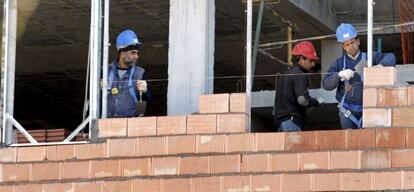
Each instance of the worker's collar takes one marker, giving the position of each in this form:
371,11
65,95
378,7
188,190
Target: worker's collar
356,56
301,68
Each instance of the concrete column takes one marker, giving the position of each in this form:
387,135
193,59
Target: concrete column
330,51
190,54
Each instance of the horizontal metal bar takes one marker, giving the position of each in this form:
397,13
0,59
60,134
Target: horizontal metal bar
51,143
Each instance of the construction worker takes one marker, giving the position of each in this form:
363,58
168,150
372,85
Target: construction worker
292,95
126,82
346,75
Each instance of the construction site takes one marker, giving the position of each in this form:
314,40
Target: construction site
213,69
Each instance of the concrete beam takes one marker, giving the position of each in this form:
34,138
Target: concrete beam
319,10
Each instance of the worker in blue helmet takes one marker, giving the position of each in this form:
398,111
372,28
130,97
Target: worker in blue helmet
126,82
346,75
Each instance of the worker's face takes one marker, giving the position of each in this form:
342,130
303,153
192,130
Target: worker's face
351,46
130,57
307,63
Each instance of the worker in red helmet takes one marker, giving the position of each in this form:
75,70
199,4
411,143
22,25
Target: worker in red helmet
292,95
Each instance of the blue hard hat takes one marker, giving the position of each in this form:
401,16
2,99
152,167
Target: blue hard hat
345,32
127,38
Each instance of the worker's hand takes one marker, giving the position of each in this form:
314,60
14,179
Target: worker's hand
142,85
346,74
379,65
320,100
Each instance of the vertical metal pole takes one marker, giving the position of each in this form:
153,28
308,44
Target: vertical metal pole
257,36
370,21
289,46
105,59
249,55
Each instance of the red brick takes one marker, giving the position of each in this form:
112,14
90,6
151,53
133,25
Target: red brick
117,186
91,151
112,127
88,187
410,90
402,158
29,188
82,170
357,181
135,167
181,144
388,180
315,160
326,182
8,154
16,172
6,188
370,97
25,154
213,103
54,187
174,185
403,117
149,146
105,168
390,97
171,125
376,159
232,123
255,163
121,147
195,165
201,124
360,138
206,184
225,163
393,137
285,162
296,182
409,179
165,166
148,185
210,143
270,141
376,117
266,183
330,139
236,183
346,159
239,103
409,138
142,126
300,140
240,142
45,171
379,76
65,152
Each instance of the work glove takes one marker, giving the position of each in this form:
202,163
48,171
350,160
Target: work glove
142,86
346,74
377,66
320,100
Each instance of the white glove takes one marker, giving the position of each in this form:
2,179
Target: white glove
346,74
320,100
142,85
377,66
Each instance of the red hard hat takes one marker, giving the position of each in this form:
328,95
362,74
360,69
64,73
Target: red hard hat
306,49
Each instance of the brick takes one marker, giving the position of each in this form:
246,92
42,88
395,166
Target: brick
135,167
148,185
266,183
16,172
29,188
402,117
165,166
142,126
210,143
402,158
379,76
270,141
112,127
410,92
45,171
197,124
370,97
232,123
171,125
326,182
206,184
357,181
6,188
115,186
91,151
239,103
195,165
105,168
299,140
409,137
149,146
8,154
225,164
346,159
181,144
388,180
87,187
315,160
240,142
360,138
25,154
394,137
213,103
82,170
391,97
121,147
174,185
330,139
54,187
285,162
376,117
409,179
376,159
255,163
236,183
60,152
296,182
